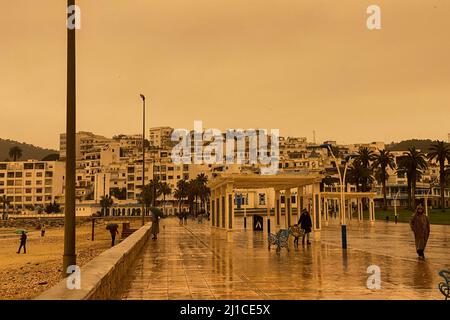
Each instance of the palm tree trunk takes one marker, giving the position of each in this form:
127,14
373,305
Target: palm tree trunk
384,195
442,183
409,193
164,204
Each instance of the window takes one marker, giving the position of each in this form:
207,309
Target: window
39,190
262,199
28,182
10,175
39,182
18,174
28,174
28,166
10,182
39,174
27,190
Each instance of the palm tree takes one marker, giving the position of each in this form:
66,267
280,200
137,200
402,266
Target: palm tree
181,192
165,191
365,156
155,186
440,152
360,176
412,164
106,202
146,196
15,153
382,161
202,189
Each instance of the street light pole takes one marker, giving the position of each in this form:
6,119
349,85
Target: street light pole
342,209
143,158
69,257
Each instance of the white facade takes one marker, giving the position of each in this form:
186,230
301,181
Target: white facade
28,184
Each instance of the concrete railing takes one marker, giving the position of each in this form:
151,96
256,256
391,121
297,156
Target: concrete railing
102,278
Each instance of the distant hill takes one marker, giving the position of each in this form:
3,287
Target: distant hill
423,145
28,151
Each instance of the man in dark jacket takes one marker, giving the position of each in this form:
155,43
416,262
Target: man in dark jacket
113,232
306,225
23,242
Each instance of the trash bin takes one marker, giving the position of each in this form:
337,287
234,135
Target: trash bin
257,223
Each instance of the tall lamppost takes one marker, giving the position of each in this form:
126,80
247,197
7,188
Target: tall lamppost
70,257
342,192
143,158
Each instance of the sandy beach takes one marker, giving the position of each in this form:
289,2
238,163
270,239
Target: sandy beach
24,276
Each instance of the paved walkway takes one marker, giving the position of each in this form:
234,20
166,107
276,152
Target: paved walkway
197,262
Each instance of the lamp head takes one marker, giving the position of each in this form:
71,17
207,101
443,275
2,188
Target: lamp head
142,97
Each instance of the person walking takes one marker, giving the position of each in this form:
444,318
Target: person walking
305,224
23,242
113,232
185,217
155,227
420,225
42,230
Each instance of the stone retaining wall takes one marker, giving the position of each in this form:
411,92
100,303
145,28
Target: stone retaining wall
102,278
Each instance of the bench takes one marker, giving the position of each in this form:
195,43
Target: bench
444,287
280,239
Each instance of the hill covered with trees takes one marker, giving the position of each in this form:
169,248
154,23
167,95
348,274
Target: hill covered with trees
28,151
423,145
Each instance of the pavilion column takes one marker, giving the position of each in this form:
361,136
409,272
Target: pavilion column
372,211
360,211
325,210
277,208
229,207
300,201
268,209
288,206
212,207
218,207
316,208
350,209
223,207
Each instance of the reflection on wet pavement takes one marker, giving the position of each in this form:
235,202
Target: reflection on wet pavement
200,262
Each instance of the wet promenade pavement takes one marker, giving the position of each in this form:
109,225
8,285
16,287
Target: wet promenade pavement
200,262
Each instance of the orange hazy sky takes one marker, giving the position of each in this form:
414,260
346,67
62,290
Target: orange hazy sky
290,64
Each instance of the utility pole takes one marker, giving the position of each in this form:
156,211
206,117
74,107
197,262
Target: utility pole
69,257
143,158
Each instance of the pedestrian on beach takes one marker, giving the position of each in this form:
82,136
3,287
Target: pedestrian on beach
305,224
23,242
113,232
42,230
420,225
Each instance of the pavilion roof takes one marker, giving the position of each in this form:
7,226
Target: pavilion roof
257,181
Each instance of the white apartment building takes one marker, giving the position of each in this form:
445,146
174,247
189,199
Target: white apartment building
84,142
31,184
160,137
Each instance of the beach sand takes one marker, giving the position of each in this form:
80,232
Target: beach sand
24,276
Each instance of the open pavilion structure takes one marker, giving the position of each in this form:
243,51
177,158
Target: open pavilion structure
306,186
